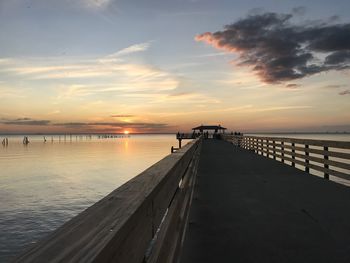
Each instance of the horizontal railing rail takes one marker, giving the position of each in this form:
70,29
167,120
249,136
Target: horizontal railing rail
331,158
141,221
187,135
234,139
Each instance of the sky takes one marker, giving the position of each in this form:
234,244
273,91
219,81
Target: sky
71,66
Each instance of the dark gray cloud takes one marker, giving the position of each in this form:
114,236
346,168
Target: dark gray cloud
25,121
279,51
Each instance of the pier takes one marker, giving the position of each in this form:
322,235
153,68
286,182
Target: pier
250,208
222,198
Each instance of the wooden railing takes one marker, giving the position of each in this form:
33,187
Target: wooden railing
331,158
187,135
142,221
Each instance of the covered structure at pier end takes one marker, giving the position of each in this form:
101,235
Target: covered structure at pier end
207,128
208,131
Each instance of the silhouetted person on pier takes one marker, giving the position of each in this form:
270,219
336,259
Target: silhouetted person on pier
25,140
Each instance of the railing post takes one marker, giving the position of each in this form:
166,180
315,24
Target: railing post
268,149
325,157
274,150
306,161
293,152
282,151
255,145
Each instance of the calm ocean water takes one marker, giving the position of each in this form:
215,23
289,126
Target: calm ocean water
42,185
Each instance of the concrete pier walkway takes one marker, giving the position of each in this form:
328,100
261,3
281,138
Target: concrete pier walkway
248,208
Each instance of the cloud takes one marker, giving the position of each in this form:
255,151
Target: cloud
90,76
133,49
139,126
280,108
335,86
278,51
10,93
25,121
96,3
181,94
345,92
126,51
136,125
122,116
292,86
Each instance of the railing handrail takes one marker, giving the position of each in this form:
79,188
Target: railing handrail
303,152
122,226
314,142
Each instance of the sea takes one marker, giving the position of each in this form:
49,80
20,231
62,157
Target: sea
54,177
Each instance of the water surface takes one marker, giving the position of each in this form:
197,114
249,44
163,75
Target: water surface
42,185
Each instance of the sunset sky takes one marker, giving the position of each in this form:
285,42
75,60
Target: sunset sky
163,66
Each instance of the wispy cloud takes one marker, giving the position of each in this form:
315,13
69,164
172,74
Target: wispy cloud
25,121
89,76
10,93
122,116
96,3
138,126
280,108
292,86
212,55
335,86
132,49
121,125
117,56
345,92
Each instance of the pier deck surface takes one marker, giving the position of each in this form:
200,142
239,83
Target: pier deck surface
248,208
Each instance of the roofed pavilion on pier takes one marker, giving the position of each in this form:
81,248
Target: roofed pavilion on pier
207,128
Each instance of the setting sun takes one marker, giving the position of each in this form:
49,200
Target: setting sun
126,132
